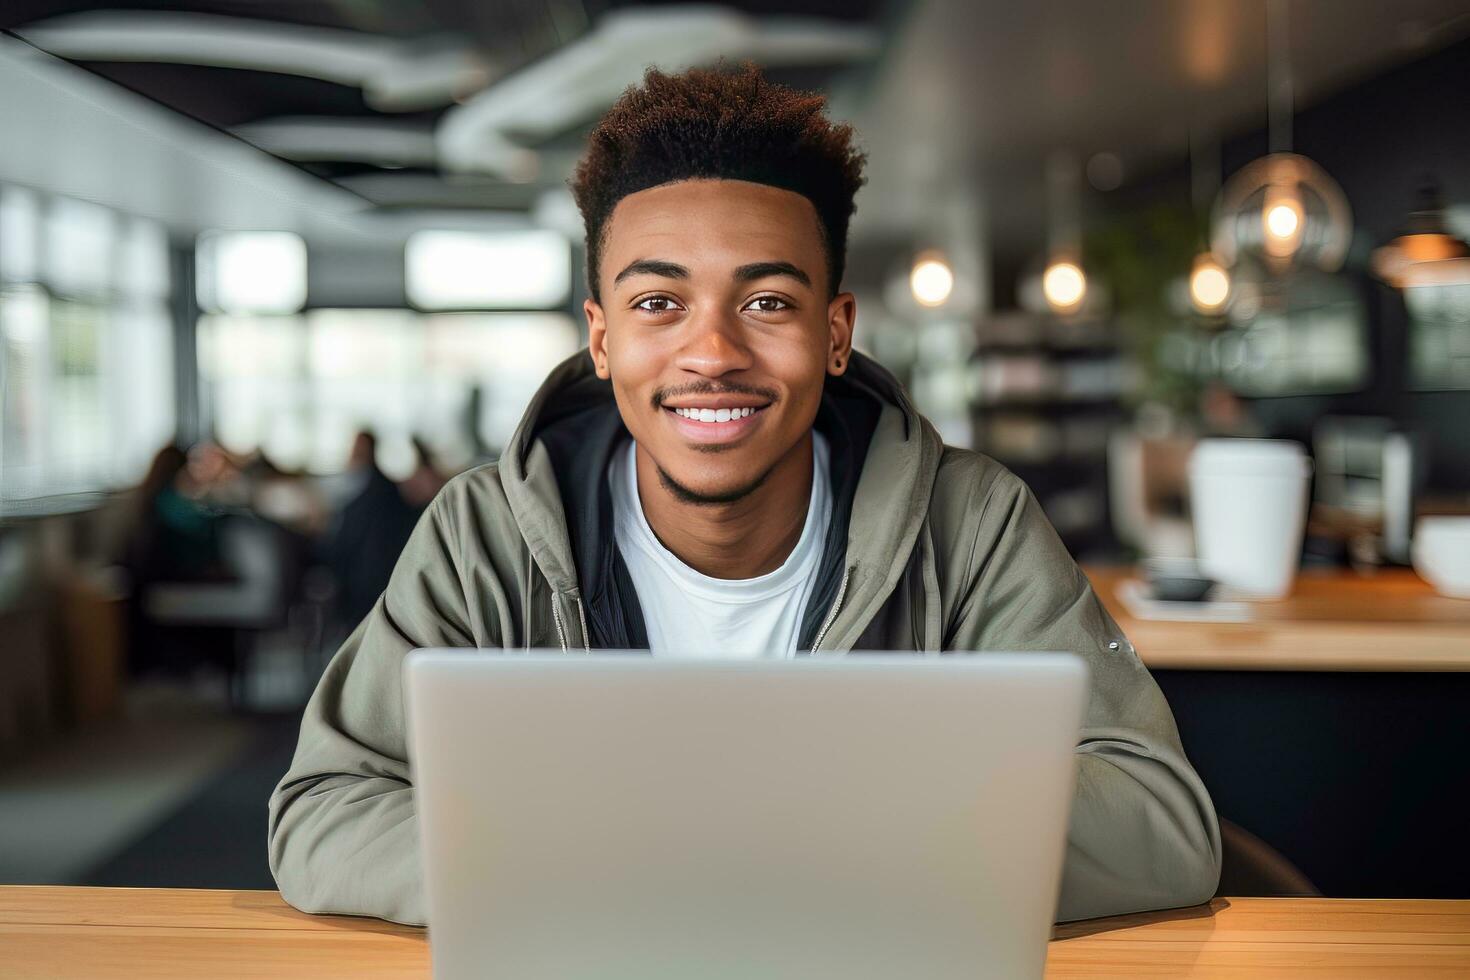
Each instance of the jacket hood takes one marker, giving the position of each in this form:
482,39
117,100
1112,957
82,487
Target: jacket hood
552,473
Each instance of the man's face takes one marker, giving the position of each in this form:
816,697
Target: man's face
716,329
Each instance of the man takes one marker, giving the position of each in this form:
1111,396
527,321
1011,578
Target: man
779,496
368,535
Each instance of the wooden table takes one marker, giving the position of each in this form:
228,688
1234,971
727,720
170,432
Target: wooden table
114,933
1341,621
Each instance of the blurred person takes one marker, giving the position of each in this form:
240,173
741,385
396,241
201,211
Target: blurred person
174,538
721,473
216,476
368,534
175,534
425,482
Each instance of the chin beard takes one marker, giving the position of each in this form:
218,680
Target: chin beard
690,496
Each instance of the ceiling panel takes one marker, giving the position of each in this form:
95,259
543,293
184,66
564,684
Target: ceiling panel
282,110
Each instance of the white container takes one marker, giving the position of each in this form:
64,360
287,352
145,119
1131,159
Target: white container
1249,498
1442,554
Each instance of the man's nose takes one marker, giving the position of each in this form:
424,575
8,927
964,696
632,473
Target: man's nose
715,345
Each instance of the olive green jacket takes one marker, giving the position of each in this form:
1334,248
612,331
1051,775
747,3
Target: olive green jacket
934,549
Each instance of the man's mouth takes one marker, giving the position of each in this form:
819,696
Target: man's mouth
713,424
715,414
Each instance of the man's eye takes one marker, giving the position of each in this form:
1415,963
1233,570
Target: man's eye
656,304
768,304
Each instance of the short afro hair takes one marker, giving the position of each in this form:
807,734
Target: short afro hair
719,124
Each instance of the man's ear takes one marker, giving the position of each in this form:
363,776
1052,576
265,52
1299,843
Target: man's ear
596,336
841,316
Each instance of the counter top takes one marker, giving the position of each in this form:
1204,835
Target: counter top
122,933
1388,621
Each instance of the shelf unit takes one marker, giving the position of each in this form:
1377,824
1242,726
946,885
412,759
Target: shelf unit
1046,394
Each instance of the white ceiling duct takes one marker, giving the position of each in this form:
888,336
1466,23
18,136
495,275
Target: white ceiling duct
394,75
581,79
314,139
73,134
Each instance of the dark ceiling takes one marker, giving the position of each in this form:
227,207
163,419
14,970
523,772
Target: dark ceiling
505,36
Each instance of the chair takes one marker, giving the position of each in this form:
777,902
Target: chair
1250,867
237,611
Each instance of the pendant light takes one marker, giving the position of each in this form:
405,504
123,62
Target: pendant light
1209,285
1282,207
1064,283
1209,281
931,280
1426,252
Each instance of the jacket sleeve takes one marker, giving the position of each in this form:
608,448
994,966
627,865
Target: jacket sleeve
1143,832
343,835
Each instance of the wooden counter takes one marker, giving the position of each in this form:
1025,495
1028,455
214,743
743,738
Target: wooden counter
112,934
1333,621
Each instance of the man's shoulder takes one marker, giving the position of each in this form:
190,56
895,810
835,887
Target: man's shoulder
973,501
967,479
473,499
474,484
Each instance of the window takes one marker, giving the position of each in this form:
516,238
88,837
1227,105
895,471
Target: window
463,270
86,347
251,272
1309,351
298,388
1439,336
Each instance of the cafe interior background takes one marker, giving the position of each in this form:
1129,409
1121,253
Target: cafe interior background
271,272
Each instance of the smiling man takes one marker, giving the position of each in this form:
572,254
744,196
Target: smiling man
720,474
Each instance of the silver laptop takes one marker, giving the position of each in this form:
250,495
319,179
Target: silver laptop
621,817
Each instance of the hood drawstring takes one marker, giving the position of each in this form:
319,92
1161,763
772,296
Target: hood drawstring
561,630
582,616
832,613
561,633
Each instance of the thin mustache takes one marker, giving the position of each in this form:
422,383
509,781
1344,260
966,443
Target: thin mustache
697,388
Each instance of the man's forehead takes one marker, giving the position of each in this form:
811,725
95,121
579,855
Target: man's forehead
712,217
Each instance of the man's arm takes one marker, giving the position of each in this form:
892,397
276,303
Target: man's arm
1143,832
343,830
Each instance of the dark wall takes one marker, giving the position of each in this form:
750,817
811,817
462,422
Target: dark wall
1378,139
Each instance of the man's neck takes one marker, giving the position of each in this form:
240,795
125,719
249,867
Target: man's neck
739,540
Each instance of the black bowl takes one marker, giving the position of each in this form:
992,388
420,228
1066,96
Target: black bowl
1177,580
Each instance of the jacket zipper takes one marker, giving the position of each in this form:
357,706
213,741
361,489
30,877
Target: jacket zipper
832,613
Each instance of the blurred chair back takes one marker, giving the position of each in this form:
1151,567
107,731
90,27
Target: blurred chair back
1252,868
256,551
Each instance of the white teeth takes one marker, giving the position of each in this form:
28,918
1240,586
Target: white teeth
714,414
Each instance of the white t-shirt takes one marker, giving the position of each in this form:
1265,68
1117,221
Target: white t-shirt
690,614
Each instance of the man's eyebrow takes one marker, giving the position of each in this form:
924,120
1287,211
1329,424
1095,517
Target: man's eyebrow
759,270
654,267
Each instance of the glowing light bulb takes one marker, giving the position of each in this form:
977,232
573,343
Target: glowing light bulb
1064,285
1209,285
931,281
1282,219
